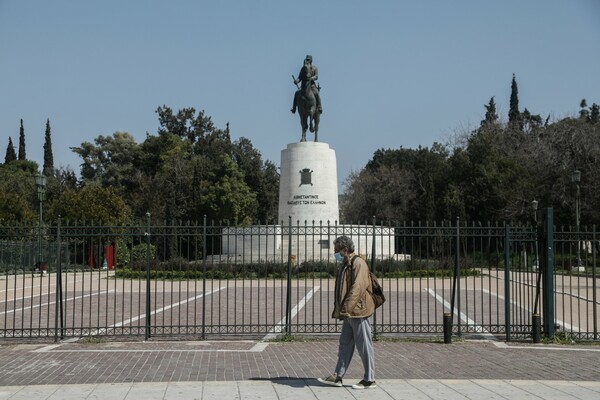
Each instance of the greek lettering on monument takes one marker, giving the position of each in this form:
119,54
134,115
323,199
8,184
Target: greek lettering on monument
307,98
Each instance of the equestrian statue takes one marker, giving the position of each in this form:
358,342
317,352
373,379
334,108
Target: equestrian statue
307,99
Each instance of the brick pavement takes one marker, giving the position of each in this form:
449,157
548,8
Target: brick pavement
77,363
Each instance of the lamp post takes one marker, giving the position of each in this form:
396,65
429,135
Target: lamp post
576,178
40,181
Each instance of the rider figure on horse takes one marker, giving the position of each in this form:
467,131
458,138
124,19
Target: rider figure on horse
308,75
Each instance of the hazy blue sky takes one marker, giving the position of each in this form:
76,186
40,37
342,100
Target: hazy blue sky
393,73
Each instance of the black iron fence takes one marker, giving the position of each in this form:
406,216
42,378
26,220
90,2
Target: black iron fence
209,280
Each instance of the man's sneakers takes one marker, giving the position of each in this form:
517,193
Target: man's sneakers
331,380
365,385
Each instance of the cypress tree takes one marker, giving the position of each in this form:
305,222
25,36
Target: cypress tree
514,115
491,116
594,114
10,152
22,155
48,157
584,113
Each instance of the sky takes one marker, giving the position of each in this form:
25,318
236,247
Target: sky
393,73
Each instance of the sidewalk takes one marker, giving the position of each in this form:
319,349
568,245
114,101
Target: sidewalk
252,370
310,389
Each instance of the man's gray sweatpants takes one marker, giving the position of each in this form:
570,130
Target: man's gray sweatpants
356,332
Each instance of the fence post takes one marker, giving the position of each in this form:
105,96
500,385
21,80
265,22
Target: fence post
147,330
288,302
204,278
456,281
594,285
58,310
506,276
548,271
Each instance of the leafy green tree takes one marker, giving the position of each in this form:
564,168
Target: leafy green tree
261,177
48,156
418,180
110,161
384,193
90,204
489,177
10,152
185,124
17,183
14,208
22,155
228,197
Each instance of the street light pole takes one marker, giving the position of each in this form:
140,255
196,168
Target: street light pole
576,178
40,181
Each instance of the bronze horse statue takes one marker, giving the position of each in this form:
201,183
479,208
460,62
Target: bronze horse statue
307,110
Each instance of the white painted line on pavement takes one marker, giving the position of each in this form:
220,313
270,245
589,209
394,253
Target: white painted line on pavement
463,317
567,326
160,310
504,345
126,322
279,326
54,302
52,283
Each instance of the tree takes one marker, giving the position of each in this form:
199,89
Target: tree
110,162
584,113
489,176
10,152
22,155
261,177
14,208
91,203
185,123
594,114
514,115
18,200
48,169
491,116
413,183
385,193
591,114
228,197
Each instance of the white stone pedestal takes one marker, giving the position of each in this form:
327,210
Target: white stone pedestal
308,188
308,193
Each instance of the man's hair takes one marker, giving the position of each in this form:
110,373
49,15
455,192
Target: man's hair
344,243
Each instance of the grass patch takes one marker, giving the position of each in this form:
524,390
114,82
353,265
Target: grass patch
283,338
92,340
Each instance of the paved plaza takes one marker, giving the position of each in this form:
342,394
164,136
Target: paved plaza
288,370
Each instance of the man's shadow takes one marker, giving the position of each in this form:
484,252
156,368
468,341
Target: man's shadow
289,381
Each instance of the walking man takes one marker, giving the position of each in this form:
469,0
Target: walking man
353,305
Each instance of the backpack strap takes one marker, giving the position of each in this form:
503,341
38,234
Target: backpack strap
352,266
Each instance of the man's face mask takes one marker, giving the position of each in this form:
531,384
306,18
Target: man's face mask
338,257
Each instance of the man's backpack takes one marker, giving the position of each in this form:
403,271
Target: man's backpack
376,291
